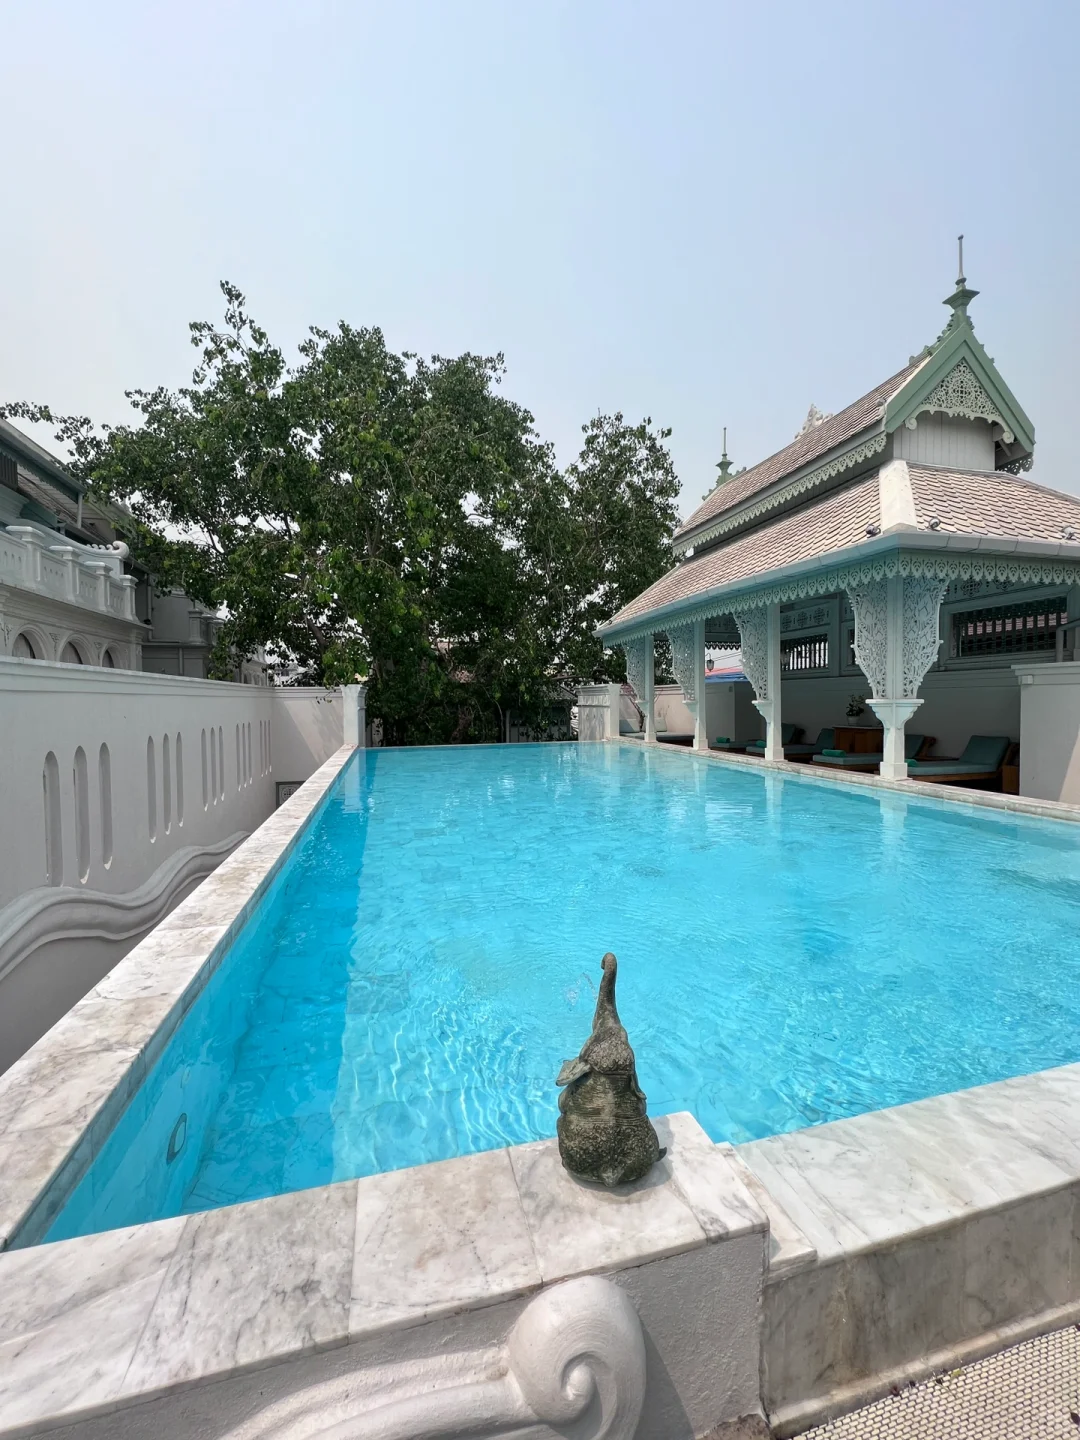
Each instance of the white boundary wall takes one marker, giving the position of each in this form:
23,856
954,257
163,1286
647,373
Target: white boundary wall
598,712
1050,731
119,792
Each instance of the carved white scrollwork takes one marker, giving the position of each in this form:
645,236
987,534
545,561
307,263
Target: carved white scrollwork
754,637
870,603
637,655
684,660
922,629
960,394
574,1364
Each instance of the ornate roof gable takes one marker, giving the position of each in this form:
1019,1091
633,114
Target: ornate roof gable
954,376
961,380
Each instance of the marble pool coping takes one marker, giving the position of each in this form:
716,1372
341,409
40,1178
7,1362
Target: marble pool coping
60,1100
94,1324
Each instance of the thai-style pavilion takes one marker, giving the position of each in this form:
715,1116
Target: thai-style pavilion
898,535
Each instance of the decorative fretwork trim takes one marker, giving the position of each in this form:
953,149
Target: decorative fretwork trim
1019,467
922,628
754,637
870,602
684,660
1013,570
961,395
810,481
635,648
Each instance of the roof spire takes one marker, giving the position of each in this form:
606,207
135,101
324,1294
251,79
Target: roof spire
962,296
724,464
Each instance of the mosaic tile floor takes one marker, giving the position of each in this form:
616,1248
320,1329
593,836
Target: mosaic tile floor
1031,1392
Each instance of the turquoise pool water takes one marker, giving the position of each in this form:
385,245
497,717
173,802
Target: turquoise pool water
789,953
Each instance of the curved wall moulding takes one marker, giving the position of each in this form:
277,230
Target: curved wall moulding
573,1365
57,942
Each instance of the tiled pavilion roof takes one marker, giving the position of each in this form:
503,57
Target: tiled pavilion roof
964,502
806,447
980,502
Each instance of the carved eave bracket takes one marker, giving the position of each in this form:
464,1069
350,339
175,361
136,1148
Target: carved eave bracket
895,650
636,651
684,660
754,641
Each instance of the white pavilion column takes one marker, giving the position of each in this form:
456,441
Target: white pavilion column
354,698
759,635
896,641
701,719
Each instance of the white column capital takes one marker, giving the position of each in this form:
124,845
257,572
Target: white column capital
701,728
894,715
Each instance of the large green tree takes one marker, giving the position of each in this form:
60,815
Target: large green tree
367,513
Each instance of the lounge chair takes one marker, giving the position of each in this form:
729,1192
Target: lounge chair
808,749
914,746
788,735
729,747
982,759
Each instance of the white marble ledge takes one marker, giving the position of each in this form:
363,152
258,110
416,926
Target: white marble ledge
103,1320
436,1239
857,1184
789,1250
59,1100
689,1198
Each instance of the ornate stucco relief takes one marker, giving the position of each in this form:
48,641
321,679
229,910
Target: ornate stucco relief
574,1364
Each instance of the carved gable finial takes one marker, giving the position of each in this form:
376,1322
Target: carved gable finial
960,299
814,418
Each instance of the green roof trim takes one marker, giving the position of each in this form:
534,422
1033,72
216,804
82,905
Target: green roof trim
959,345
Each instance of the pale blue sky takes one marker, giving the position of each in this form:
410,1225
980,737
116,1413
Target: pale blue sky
709,213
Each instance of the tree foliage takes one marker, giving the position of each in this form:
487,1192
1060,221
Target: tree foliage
368,513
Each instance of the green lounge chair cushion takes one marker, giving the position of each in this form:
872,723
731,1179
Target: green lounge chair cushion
834,754
722,740
946,767
986,751
912,745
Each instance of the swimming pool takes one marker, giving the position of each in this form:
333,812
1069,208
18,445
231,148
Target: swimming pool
790,952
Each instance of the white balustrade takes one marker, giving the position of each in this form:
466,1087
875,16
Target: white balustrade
83,575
